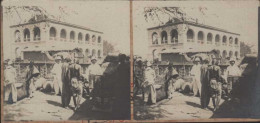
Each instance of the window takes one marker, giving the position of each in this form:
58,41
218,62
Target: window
224,40
63,35
217,40
17,36
36,34
93,38
190,36
174,36
72,36
80,37
87,53
99,39
26,35
200,37
164,37
93,52
209,38
230,41
224,54
236,41
230,54
154,38
52,33
87,38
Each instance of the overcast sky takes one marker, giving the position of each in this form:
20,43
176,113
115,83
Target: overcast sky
112,18
235,16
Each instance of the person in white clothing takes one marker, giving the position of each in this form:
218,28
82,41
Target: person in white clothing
94,72
233,73
56,71
9,83
195,73
148,84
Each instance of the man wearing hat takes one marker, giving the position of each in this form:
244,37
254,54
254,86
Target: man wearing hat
233,72
170,78
196,74
56,71
94,71
31,73
148,84
9,82
138,77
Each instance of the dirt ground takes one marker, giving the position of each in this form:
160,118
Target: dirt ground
183,106
47,106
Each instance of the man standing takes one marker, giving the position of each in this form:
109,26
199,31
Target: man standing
66,85
56,71
138,77
31,74
233,72
170,78
205,96
196,73
215,85
93,72
9,82
148,84
76,83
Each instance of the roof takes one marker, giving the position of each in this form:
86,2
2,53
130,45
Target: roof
186,51
193,24
57,22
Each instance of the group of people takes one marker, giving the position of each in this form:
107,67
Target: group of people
207,80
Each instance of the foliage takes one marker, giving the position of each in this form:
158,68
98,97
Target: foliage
107,48
245,49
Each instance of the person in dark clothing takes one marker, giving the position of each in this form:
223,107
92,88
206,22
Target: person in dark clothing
138,78
66,85
122,90
215,82
170,78
76,83
205,96
31,73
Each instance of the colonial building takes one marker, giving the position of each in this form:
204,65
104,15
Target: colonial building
30,39
191,37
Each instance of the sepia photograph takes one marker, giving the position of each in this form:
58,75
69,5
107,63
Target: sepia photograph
195,59
65,60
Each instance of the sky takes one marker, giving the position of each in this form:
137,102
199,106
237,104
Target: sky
235,16
112,18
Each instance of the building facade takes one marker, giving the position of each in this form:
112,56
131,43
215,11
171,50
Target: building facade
30,39
191,37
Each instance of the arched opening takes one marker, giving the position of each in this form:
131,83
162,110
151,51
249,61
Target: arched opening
164,37
230,41
236,41
93,52
80,37
87,53
17,36
155,38
99,39
26,34
209,38
63,35
200,37
190,36
218,53
93,38
155,54
217,40
174,36
87,38
224,54
224,40
99,54
230,54
52,33
17,52
36,34
72,36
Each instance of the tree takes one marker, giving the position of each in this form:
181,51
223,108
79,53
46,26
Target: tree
107,48
245,49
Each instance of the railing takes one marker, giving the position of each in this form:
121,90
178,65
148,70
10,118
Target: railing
27,39
174,40
200,41
190,40
18,40
63,39
37,39
164,41
53,38
209,42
